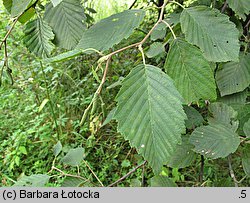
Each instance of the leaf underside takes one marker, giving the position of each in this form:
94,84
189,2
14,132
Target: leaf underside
150,114
38,36
110,31
55,2
212,31
18,6
66,19
190,71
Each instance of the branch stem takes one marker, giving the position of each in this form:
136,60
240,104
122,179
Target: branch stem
128,174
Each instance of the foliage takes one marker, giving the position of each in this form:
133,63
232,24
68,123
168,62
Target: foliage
156,95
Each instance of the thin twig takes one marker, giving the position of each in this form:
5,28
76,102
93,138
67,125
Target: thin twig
170,28
58,130
143,176
201,169
224,7
177,3
128,174
132,5
231,170
104,76
93,173
69,175
247,25
9,31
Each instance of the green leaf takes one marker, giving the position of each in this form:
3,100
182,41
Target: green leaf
125,163
63,57
194,117
56,2
24,17
23,150
243,116
246,128
57,148
19,6
212,32
38,180
223,114
162,181
240,7
236,98
7,4
173,19
110,31
150,114
110,117
246,159
234,77
44,102
183,155
73,157
70,27
159,32
71,182
135,183
38,36
155,49
190,71
214,141
27,15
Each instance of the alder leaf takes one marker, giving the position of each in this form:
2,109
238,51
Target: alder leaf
7,4
19,6
212,31
159,32
110,31
240,7
25,16
56,2
150,114
183,155
234,77
223,114
246,159
236,98
194,117
246,128
214,141
66,19
74,157
57,148
72,182
190,71
155,49
162,181
38,36
38,180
